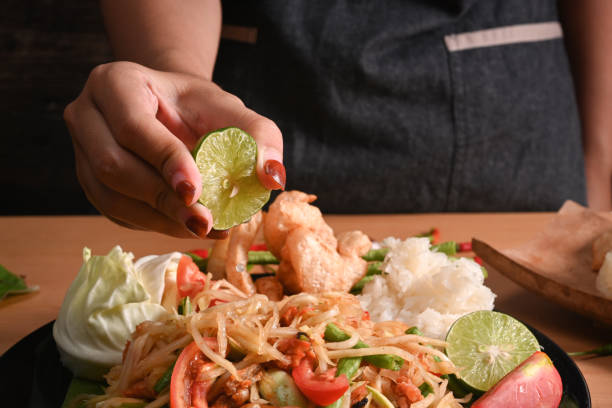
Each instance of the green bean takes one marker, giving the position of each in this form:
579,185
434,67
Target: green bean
373,270
334,334
346,365
414,330
425,389
261,258
432,234
605,350
358,287
449,248
376,254
164,380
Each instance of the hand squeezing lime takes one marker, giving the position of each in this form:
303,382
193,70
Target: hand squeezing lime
486,345
232,192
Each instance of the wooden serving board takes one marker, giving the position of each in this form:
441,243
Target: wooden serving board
556,262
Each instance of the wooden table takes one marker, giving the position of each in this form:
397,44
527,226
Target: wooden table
47,250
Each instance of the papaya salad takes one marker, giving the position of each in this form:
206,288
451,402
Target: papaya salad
180,331
231,350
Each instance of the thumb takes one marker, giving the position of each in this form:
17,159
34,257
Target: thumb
270,168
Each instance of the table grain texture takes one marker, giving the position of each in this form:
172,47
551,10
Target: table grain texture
48,252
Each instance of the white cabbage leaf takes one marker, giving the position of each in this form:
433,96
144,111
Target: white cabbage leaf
107,300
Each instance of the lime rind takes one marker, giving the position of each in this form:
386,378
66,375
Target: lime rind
231,189
486,345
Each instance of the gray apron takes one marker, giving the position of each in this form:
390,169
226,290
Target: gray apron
409,106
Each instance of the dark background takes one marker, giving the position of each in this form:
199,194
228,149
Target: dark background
47,49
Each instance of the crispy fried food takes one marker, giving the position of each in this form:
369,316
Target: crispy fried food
240,241
271,287
290,210
353,243
312,259
310,264
601,246
217,258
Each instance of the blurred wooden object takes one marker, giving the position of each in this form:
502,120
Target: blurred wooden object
556,261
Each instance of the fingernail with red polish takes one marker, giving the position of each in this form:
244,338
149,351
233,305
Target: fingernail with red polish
276,171
185,190
218,234
197,225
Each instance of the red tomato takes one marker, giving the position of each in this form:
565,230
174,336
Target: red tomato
202,253
258,247
322,389
185,390
534,383
189,280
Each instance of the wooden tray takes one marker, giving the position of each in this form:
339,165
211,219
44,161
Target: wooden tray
556,263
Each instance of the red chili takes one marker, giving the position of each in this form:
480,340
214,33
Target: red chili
464,246
435,236
258,247
478,260
202,253
216,301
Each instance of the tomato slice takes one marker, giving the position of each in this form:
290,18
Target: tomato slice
185,390
189,280
322,389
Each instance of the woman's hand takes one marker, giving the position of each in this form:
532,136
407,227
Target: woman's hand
133,129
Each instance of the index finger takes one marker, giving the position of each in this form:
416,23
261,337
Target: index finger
127,100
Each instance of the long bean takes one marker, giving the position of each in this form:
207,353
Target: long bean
262,258
164,380
376,254
373,270
449,248
347,366
334,334
605,350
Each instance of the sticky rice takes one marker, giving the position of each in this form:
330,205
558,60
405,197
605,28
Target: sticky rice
425,288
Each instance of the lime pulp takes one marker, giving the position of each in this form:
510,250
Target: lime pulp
486,345
231,190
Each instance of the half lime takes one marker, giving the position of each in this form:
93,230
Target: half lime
227,161
486,345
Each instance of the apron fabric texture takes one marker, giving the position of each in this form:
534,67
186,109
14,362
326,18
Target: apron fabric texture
412,106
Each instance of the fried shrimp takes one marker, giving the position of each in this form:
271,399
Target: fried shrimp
240,241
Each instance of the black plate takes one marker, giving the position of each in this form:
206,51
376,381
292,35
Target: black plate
32,375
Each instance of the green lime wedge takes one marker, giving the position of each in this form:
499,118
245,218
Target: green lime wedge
486,345
230,188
